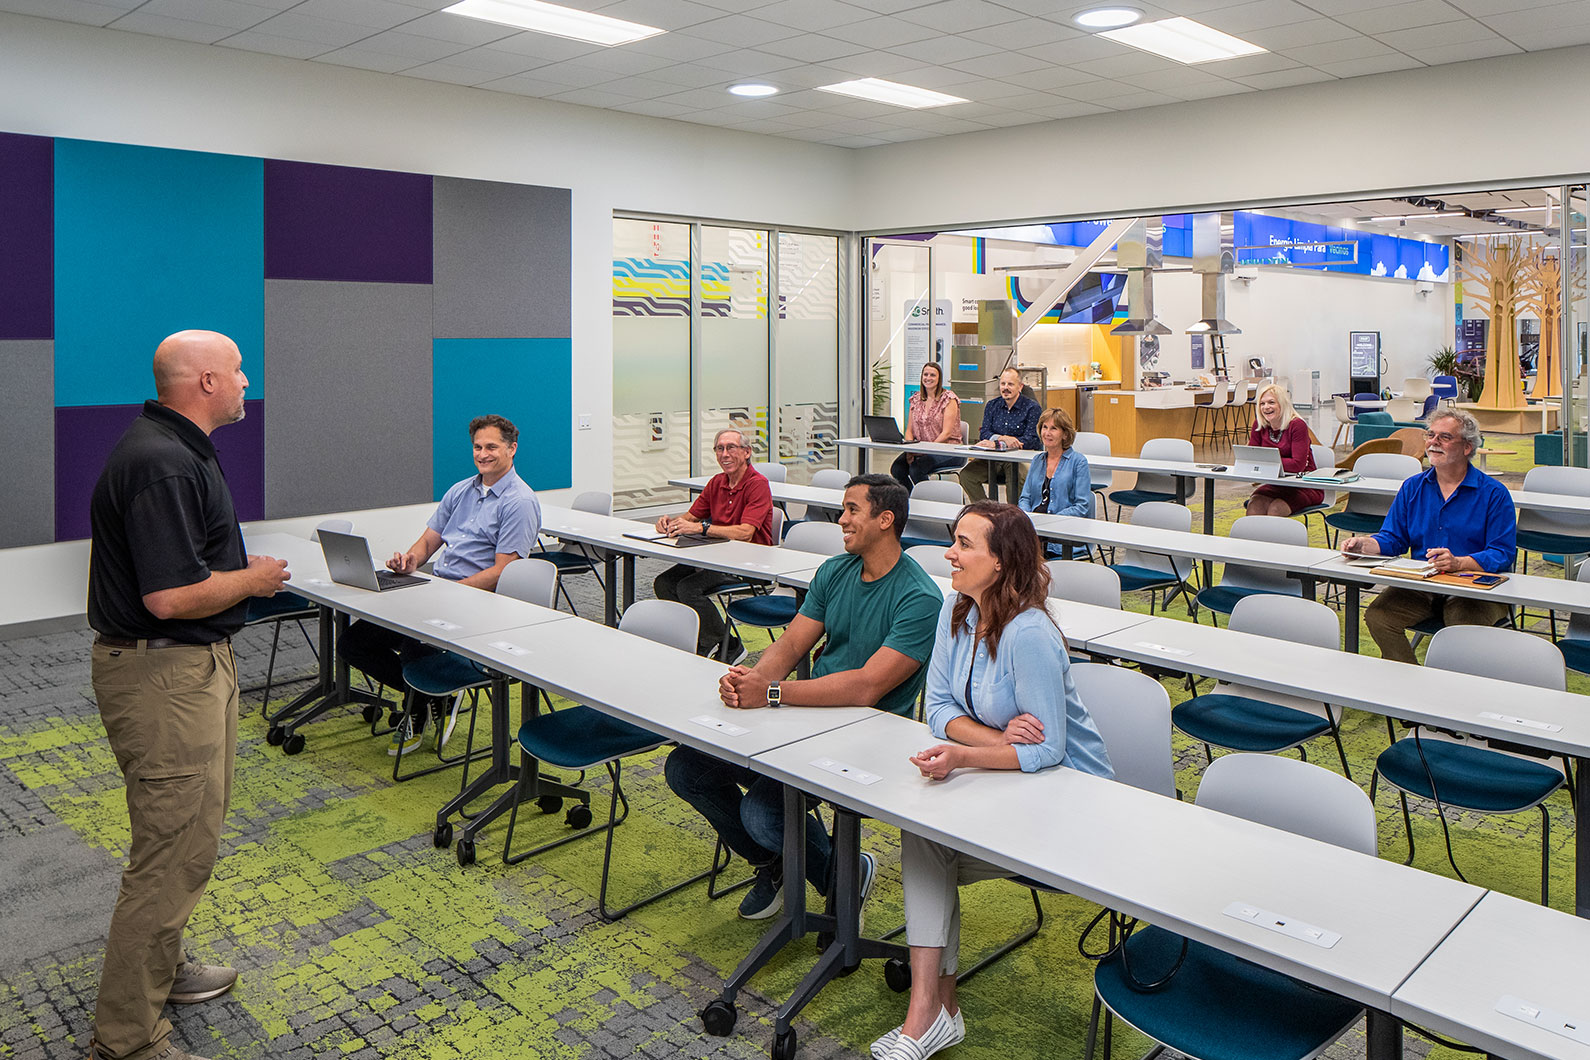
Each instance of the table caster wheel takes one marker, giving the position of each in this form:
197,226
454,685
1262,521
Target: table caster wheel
393,718
897,975
294,743
371,712
466,852
549,803
442,838
275,735
579,816
717,1019
784,1045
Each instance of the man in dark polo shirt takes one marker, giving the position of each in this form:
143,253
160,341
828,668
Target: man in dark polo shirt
1009,423
737,505
168,582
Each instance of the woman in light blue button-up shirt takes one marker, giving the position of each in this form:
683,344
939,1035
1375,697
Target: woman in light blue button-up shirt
1058,482
1000,693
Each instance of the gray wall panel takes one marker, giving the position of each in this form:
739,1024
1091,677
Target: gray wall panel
347,396
27,442
501,263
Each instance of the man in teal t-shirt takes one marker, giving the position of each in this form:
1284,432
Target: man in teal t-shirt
879,611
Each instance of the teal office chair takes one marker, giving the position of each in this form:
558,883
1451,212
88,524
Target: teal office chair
582,738
1237,718
1365,513
931,559
1154,486
777,609
932,531
1549,533
1087,583
575,558
1153,573
1324,456
1471,774
282,608
1210,1004
1575,642
1238,582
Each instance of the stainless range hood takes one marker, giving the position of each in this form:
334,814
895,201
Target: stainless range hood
1214,259
1139,251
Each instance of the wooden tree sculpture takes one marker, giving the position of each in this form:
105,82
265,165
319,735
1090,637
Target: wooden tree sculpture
1543,295
1493,274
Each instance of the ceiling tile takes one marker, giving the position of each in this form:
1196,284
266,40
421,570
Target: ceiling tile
813,48
1334,8
1023,33
653,108
1558,37
952,16
1132,100
323,31
255,41
1402,16
229,13
1378,64
1092,91
749,63
811,75
590,97
1478,8
1338,51
174,28
663,14
1539,19
887,7
742,31
1129,65
1000,64
1166,80
886,32
541,46
1299,34
1298,75
1193,8
1219,87
688,75
1079,50
525,85
82,11
1457,53
1251,64
644,87
1258,14
1075,109
571,75
450,73
992,90
813,15
1056,77
940,51
371,14
359,59
494,62
1464,31
875,64
455,28
679,47
419,49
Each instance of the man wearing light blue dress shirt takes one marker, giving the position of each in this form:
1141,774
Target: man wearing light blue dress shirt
486,521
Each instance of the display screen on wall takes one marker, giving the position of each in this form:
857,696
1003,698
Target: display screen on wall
1264,240
1091,301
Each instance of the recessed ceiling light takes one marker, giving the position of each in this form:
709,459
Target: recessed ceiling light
891,92
1107,17
1183,40
753,91
557,21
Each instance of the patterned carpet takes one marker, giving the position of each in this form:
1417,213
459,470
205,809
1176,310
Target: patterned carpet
356,938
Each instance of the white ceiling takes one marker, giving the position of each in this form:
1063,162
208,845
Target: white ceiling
1017,61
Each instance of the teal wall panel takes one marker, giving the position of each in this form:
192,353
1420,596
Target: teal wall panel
149,241
527,380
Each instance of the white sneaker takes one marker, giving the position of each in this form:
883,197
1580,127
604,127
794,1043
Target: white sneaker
945,1031
404,739
444,730
881,1047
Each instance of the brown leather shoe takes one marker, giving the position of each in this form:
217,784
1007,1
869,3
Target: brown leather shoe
170,1052
199,982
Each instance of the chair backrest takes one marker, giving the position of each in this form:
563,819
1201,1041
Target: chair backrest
1241,394
594,501
1571,481
823,539
1412,441
772,471
1132,713
1416,387
1444,386
1288,618
1086,583
1403,409
1344,413
830,478
966,433
1366,399
1579,623
1220,395
931,559
1399,466
336,526
664,621
777,529
1505,654
1163,449
1324,456
947,491
1162,515
1274,528
1295,796
1431,402
535,581
1092,443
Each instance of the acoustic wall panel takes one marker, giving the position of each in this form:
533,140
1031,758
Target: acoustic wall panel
27,472
27,237
340,223
527,380
85,435
349,425
502,260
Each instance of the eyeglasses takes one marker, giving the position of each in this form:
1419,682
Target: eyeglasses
1442,437
728,448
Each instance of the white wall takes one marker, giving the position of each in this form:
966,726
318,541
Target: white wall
58,79
1412,129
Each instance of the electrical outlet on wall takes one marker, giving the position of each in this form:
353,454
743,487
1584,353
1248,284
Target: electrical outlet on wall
585,421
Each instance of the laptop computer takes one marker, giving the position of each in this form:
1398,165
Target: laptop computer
348,560
1256,460
882,429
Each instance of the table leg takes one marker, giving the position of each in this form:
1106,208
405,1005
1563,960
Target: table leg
325,678
1209,525
629,579
1352,617
342,693
1384,1034
1581,841
610,590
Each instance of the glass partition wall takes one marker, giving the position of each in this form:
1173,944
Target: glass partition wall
720,326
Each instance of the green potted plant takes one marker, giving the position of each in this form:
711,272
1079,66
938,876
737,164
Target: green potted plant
1443,362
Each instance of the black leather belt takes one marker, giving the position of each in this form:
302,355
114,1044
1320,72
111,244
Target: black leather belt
152,642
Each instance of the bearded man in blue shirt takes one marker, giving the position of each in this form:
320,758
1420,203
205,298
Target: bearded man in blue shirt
1009,423
1454,516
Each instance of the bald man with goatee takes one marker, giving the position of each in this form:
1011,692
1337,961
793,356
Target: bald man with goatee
168,586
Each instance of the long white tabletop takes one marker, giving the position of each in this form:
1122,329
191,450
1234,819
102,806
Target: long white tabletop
1110,843
1510,979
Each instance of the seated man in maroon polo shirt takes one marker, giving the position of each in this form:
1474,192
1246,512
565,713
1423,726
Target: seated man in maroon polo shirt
737,505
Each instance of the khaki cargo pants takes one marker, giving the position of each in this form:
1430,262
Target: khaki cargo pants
171,715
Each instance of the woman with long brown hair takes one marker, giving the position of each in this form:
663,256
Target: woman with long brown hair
1000,693
934,415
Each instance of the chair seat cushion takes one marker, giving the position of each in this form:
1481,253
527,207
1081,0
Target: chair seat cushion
443,674
1223,598
579,738
1135,578
1240,723
1219,1007
1132,498
1556,544
763,610
1312,508
910,542
1576,653
282,605
1355,522
565,562
1469,777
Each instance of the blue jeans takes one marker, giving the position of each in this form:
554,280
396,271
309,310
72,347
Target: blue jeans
746,809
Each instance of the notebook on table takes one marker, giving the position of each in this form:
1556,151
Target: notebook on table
348,560
682,541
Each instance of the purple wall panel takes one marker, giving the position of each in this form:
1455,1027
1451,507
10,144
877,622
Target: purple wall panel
27,251
85,435
338,223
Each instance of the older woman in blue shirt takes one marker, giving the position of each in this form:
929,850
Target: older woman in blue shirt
1000,693
1058,481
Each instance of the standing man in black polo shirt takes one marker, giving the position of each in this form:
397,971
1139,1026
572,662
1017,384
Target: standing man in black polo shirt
167,585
